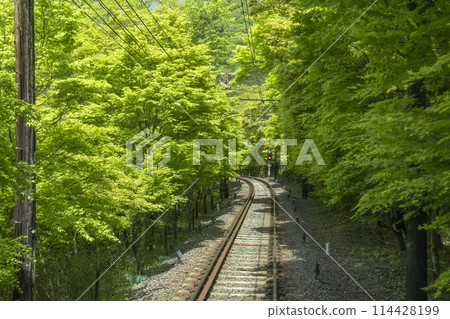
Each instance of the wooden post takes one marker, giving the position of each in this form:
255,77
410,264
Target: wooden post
25,205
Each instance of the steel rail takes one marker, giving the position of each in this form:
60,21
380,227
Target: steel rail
274,239
211,273
208,279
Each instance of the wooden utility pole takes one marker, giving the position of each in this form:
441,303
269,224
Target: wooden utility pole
25,205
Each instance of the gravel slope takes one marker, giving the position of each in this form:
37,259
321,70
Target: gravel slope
170,276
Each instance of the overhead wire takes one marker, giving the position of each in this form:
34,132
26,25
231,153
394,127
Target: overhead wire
143,23
128,16
316,60
131,56
170,111
246,30
250,29
106,23
172,108
137,26
159,25
115,18
252,44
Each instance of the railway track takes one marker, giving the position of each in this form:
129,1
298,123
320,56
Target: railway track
244,266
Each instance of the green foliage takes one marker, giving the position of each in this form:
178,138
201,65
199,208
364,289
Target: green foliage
441,285
10,249
384,145
91,98
217,23
10,253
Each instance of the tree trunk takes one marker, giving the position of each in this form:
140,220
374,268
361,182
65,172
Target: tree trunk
166,244
304,188
141,245
25,205
435,244
212,201
188,209
225,187
224,193
416,258
398,226
400,239
136,257
205,205
196,204
416,240
174,226
75,249
97,283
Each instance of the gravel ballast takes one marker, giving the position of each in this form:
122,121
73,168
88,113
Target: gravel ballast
172,276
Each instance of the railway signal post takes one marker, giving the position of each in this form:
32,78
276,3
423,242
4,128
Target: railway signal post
269,158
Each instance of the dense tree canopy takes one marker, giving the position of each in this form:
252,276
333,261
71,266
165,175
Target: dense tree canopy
376,104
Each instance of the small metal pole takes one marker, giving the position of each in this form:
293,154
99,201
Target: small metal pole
180,256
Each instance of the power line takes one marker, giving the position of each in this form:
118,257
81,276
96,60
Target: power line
135,61
93,9
252,44
126,13
172,108
142,21
316,60
250,28
317,243
115,18
246,30
120,6
109,34
104,6
137,239
162,29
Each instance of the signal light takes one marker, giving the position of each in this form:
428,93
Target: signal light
269,155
